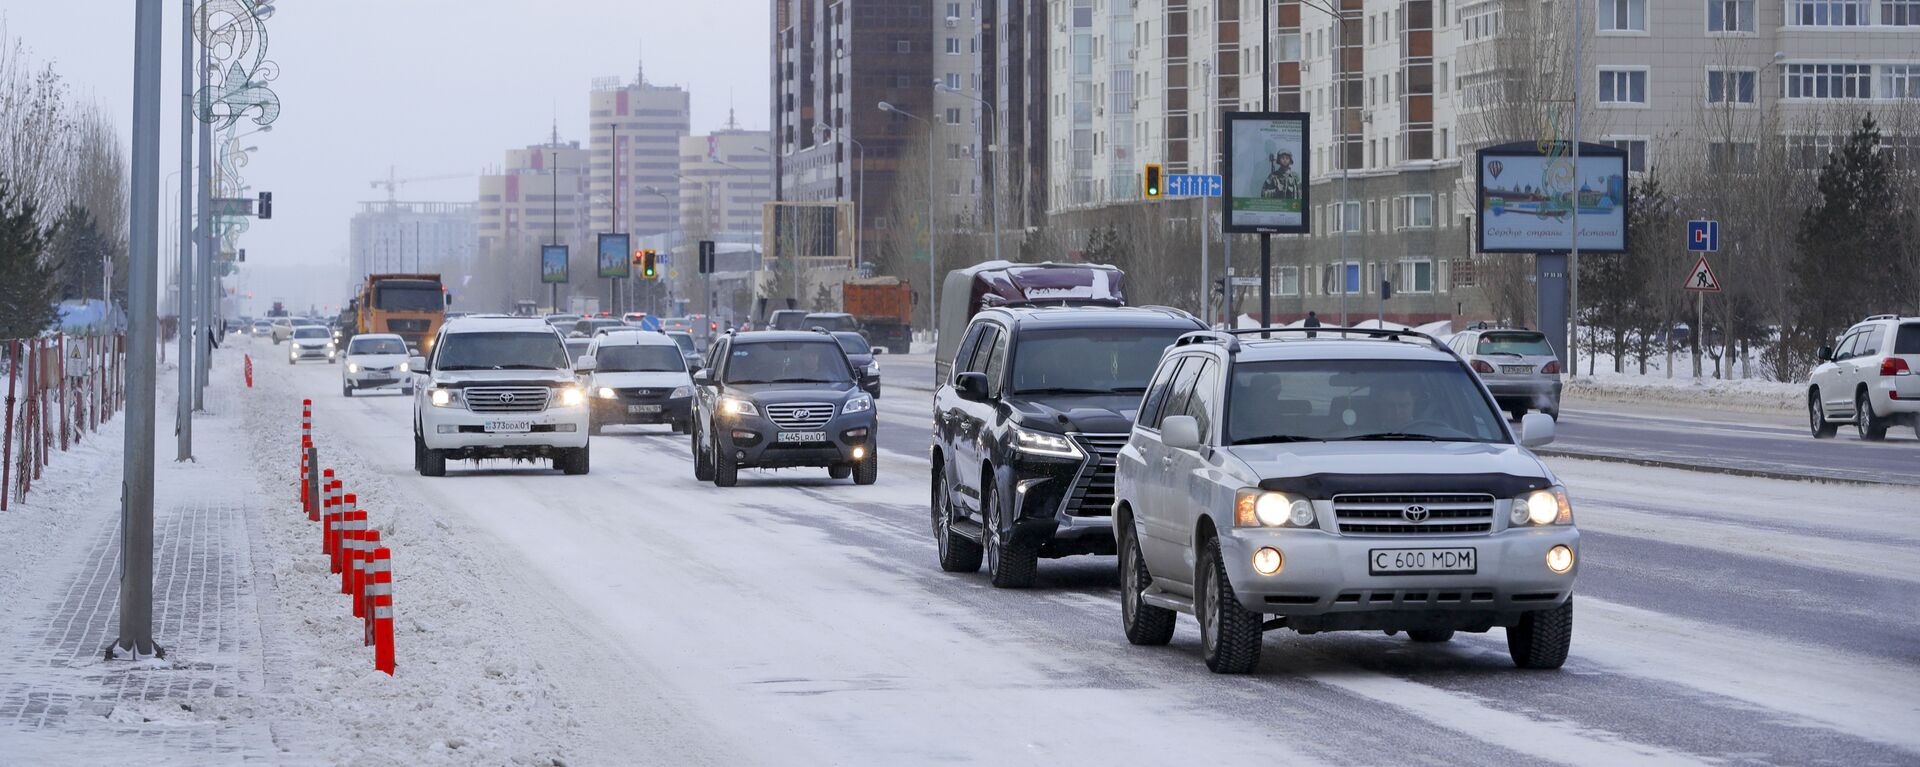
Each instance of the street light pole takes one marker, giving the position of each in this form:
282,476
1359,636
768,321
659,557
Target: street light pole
933,281
143,237
183,305
203,343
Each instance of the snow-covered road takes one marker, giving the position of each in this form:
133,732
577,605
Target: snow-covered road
800,620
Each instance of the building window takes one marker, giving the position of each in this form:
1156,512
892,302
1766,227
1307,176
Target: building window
1346,217
1623,86
1729,86
1725,157
1829,81
953,115
1900,13
953,80
953,45
1330,278
1286,281
1636,150
1623,15
1416,275
1730,15
1900,81
1419,211
1828,13
1287,47
903,46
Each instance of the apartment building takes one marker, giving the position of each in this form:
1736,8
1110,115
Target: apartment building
398,236
538,196
1015,54
725,179
636,133
958,149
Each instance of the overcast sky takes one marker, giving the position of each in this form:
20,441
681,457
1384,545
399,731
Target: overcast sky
430,87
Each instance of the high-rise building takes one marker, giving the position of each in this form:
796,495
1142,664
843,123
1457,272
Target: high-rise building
832,64
1014,53
636,133
539,196
411,236
957,156
726,178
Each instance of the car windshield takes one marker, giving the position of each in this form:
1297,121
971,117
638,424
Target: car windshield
788,320
853,343
409,297
310,331
501,351
1093,361
684,341
563,319
1516,344
834,322
640,359
1365,399
377,346
787,362
577,348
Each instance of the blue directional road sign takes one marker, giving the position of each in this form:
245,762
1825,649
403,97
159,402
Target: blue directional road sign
1190,185
1703,235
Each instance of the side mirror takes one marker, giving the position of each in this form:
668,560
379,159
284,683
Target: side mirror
1180,432
1824,353
586,364
971,386
1536,430
417,364
703,376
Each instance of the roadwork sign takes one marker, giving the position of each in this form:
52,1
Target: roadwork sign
1701,280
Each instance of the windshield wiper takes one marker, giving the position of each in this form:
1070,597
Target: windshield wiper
524,366
1395,436
1063,390
802,380
1274,439
1503,354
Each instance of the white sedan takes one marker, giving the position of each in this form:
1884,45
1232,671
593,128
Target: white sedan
376,360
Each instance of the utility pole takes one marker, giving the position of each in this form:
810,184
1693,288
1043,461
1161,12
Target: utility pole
135,638
183,305
202,342
1266,105
1206,162
1573,257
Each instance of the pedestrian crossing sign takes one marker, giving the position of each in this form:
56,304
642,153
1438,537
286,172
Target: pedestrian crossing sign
1701,279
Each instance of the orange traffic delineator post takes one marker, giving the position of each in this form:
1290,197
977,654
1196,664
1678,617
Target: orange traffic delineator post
357,569
306,441
336,519
381,610
354,533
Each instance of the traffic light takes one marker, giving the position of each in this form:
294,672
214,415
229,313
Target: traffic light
649,264
266,206
1152,180
706,256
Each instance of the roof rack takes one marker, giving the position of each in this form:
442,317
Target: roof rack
1230,338
1882,317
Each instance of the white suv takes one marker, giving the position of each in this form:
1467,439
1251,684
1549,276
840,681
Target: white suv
1345,480
1870,378
498,388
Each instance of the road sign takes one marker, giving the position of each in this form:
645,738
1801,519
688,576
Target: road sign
1246,282
1703,235
232,206
1701,280
1191,185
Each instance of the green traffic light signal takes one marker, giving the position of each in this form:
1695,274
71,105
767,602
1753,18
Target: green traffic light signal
1151,181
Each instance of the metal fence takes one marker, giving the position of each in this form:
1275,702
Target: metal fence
59,389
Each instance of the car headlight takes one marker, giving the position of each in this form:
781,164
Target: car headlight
681,392
607,392
1254,507
1042,443
572,396
874,368
858,404
443,397
738,406
353,367
404,367
1542,507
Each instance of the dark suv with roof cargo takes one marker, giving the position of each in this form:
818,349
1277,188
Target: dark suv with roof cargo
1026,428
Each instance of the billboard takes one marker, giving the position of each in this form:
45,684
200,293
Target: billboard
1267,156
1528,194
615,255
553,263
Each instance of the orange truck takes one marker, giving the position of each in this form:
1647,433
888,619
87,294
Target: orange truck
884,308
411,306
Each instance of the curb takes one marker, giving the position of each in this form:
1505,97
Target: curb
1709,468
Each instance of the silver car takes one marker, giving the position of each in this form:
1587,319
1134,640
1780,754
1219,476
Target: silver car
1359,483
1870,377
1518,365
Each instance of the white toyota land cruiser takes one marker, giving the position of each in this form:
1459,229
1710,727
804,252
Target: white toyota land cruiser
498,387
1348,480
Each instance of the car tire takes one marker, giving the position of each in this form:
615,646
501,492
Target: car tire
1541,639
867,470
290,359
1430,636
840,470
1872,427
702,465
1518,413
418,446
1009,565
574,462
1817,417
1230,635
958,553
346,390
726,469
433,463
1143,623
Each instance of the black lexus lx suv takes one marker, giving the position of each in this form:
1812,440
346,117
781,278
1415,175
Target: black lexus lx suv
781,399
1026,429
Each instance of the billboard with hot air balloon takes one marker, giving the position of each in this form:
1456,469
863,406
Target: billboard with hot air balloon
1529,194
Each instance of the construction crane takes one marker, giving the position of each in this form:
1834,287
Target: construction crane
392,183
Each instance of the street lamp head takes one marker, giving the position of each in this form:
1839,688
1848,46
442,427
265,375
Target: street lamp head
263,11
941,84
886,107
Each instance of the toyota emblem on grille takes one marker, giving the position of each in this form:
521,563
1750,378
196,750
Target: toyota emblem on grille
506,396
1414,513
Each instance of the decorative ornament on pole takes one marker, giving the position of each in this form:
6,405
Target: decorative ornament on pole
235,35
